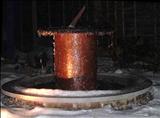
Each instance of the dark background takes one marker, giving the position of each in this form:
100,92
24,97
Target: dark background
136,24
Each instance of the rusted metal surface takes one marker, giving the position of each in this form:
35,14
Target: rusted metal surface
75,60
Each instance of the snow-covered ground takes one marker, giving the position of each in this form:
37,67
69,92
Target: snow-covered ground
151,110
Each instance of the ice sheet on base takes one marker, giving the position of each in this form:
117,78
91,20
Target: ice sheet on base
151,110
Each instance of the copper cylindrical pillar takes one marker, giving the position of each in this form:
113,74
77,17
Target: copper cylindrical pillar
75,60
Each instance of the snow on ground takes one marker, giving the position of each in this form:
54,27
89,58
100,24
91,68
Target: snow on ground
151,110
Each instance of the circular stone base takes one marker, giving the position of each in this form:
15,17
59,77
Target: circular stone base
119,92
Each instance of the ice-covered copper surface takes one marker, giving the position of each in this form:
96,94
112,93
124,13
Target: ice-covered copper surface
75,60
52,31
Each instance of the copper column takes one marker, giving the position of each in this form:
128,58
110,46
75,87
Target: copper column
75,60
